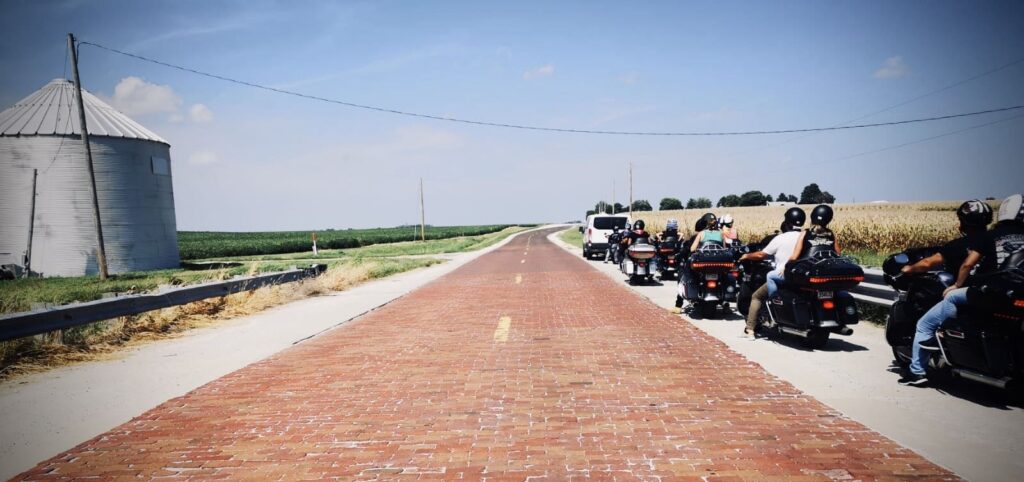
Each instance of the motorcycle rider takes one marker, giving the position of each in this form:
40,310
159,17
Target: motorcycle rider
685,283
711,234
671,230
613,243
731,234
638,233
818,237
781,248
972,253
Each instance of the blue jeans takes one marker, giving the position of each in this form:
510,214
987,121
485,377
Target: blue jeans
930,323
774,278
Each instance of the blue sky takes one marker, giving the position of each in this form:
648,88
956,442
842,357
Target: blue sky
246,159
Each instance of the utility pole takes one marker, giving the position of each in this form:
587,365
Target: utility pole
630,189
423,215
613,197
101,252
31,225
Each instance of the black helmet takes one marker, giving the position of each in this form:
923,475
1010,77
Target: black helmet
795,217
821,215
974,214
639,224
700,225
710,220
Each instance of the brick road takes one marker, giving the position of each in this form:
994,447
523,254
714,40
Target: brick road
525,363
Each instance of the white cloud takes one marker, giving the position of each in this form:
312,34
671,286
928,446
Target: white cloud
892,68
542,71
629,78
199,113
135,96
202,158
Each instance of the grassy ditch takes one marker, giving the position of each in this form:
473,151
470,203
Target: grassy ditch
96,340
573,236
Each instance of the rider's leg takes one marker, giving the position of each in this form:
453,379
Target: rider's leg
930,323
774,278
756,301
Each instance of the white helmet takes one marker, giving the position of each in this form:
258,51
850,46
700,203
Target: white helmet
672,224
1012,209
725,220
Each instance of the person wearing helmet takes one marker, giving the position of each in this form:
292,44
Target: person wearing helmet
818,238
671,230
781,248
685,284
970,254
613,242
730,233
711,233
636,234
1008,233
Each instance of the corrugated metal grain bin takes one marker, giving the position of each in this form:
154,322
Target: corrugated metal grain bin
133,183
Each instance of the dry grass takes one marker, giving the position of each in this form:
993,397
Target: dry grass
875,228
106,338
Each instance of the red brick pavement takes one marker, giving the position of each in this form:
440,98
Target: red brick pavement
593,381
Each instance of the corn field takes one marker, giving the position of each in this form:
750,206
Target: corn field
878,228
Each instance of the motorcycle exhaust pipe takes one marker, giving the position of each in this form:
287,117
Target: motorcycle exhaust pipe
977,377
794,331
845,331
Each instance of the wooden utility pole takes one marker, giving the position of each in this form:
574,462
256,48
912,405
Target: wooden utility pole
630,189
101,252
613,197
31,225
423,215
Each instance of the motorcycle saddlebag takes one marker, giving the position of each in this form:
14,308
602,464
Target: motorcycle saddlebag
826,274
792,308
846,309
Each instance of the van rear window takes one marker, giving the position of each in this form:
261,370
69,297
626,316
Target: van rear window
609,222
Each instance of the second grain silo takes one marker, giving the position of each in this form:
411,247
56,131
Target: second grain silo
133,184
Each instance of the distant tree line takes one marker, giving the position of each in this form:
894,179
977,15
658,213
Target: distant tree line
811,194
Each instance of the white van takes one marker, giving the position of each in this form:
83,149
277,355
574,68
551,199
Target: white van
599,226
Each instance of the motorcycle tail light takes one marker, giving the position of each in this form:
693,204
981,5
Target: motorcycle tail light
735,274
828,305
703,264
712,284
829,279
1018,303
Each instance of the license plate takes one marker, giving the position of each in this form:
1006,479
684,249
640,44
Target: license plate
824,295
711,276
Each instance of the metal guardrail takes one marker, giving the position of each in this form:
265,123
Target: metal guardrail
874,290
35,322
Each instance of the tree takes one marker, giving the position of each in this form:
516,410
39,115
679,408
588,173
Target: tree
619,208
827,198
753,198
603,207
782,197
669,203
811,194
642,205
768,198
728,201
699,203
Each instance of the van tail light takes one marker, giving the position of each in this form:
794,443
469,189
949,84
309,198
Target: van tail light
828,305
712,284
590,232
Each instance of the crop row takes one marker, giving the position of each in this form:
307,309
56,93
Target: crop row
208,244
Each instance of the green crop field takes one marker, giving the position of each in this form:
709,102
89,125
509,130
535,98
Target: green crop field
207,244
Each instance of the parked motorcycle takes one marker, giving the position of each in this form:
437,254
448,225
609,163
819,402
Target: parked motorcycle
714,279
984,344
814,302
639,262
668,258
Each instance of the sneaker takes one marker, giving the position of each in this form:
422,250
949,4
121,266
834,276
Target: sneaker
913,380
675,310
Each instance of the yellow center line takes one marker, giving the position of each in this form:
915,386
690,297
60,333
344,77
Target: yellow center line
501,333
519,278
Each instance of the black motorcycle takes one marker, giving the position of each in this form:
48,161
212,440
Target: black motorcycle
984,343
814,302
714,279
614,253
668,257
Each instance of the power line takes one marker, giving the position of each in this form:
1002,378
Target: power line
887,109
538,128
774,170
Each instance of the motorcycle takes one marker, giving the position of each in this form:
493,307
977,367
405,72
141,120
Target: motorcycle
639,262
984,343
714,279
614,253
668,258
813,303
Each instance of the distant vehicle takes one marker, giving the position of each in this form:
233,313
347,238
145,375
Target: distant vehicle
598,227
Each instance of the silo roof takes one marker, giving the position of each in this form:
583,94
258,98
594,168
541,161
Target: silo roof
51,111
